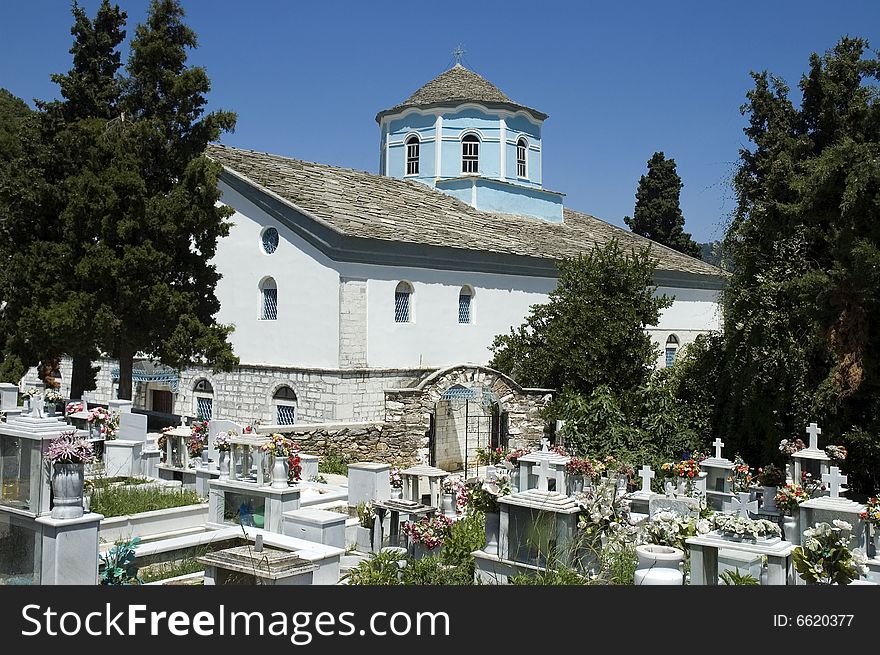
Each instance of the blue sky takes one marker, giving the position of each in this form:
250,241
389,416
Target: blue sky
619,80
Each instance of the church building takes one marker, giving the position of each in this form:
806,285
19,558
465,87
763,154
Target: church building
343,284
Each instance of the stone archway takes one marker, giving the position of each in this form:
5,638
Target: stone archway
412,415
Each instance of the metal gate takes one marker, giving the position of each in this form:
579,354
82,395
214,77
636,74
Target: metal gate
478,414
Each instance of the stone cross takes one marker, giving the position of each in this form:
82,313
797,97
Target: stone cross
718,445
745,506
545,445
814,431
543,474
835,480
646,474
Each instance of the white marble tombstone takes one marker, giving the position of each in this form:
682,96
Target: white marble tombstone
8,396
835,506
123,455
215,427
118,406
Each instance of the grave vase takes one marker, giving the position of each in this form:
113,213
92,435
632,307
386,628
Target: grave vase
279,472
396,493
419,550
514,478
790,528
49,409
658,565
205,460
447,505
493,530
575,484
669,487
67,490
224,465
769,499
94,430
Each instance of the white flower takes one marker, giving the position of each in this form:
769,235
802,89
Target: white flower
843,525
703,526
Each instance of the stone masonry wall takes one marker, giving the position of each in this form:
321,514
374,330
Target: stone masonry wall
245,394
352,323
355,442
408,411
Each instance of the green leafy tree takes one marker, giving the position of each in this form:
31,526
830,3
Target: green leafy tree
161,231
657,213
591,332
804,242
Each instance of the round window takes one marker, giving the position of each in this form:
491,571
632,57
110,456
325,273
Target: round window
270,240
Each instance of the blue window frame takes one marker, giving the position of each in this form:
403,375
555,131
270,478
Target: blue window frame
270,240
464,306
204,408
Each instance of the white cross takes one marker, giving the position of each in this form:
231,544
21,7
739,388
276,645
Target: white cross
745,506
835,480
718,445
646,474
543,475
545,445
814,431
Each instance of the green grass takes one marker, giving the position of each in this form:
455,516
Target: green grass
121,501
167,570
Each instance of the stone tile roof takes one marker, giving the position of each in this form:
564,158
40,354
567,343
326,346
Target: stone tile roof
458,84
360,204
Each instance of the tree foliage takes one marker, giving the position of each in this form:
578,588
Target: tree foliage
124,202
589,342
591,331
801,308
657,213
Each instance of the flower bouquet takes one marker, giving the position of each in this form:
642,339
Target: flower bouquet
195,444
99,416
667,528
511,459
490,456
741,527
111,427
580,466
483,494
770,476
294,466
789,497
791,447
396,478
825,557
221,442
740,476
73,408
53,397
429,531
871,513
837,453
277,446
69,448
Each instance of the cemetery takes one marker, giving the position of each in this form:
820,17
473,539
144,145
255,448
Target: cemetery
90,497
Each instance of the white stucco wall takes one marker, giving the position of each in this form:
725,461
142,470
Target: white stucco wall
306,332
338,315
434,336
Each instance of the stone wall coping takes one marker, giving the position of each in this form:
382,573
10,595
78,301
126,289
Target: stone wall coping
312,427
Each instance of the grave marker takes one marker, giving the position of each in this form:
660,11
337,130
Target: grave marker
646,474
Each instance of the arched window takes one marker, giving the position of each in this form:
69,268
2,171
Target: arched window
470,154
268,300
284,400
203,400
402,302
522,149
412,155
270,240
465,301
671,349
